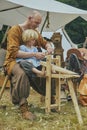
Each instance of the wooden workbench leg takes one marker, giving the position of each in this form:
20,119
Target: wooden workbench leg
48,94
74,99
58,88
48,85
58,83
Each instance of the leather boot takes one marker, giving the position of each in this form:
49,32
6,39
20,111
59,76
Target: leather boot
26,114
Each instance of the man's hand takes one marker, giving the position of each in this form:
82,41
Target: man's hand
50,50
40,55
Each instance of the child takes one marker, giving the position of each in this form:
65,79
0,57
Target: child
29,36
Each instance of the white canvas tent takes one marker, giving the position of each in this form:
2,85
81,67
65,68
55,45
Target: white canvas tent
58,14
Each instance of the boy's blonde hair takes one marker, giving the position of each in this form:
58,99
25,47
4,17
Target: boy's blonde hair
29,34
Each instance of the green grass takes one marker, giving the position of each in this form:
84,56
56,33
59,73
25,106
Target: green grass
66,119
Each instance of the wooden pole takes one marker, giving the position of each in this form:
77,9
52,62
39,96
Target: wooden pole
4,85
74,99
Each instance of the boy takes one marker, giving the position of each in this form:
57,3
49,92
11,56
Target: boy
32,63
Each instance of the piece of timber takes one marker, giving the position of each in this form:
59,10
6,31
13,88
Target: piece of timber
59,69
62,76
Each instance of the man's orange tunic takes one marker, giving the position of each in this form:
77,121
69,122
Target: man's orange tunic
14,40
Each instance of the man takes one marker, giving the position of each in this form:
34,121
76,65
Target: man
20,82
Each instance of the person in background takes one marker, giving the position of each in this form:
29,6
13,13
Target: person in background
78,58
20,82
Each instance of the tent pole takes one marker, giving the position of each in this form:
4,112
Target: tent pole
47,18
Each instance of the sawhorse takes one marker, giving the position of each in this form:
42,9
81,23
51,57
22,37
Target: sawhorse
62,73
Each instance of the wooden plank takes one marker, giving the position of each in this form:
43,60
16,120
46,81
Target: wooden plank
62,76
48,85
74,99
52,106
58,69
58,83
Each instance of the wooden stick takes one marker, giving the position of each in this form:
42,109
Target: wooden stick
74,99
58,69
4,85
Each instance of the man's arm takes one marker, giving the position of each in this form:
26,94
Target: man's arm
44,44
22,54
38,55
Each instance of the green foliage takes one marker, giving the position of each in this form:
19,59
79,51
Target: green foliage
82,4
70,2
2,32
77,29
65,119
1,35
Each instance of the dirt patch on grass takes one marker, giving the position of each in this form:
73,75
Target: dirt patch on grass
10,117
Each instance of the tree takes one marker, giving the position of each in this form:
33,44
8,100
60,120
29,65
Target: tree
77,29
2,32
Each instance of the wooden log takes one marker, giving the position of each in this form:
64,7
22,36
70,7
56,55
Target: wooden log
74,99
66,76
48,86
59,69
